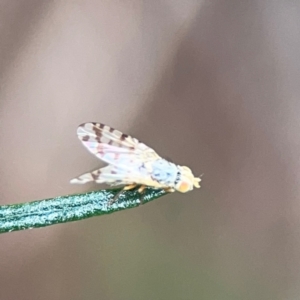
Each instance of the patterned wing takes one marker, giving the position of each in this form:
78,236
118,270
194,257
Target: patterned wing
110,175
113,146
128,159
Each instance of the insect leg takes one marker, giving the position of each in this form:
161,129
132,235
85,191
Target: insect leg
141,190
169,190
130,187
125,188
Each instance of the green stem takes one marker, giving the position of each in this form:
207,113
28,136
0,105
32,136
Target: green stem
69,208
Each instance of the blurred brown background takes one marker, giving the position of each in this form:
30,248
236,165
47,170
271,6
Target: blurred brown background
213,85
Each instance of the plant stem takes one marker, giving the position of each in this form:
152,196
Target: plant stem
70,208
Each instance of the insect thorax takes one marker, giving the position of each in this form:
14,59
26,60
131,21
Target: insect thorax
165,172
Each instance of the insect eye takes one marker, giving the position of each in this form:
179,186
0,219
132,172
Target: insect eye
184,187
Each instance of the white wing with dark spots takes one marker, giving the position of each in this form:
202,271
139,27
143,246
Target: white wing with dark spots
125,155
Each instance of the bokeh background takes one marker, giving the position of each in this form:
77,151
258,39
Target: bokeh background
209,84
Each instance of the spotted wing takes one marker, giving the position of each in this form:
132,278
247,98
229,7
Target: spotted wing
110,175
126,156
113,146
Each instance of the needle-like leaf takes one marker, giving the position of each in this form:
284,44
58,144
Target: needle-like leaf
70,208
